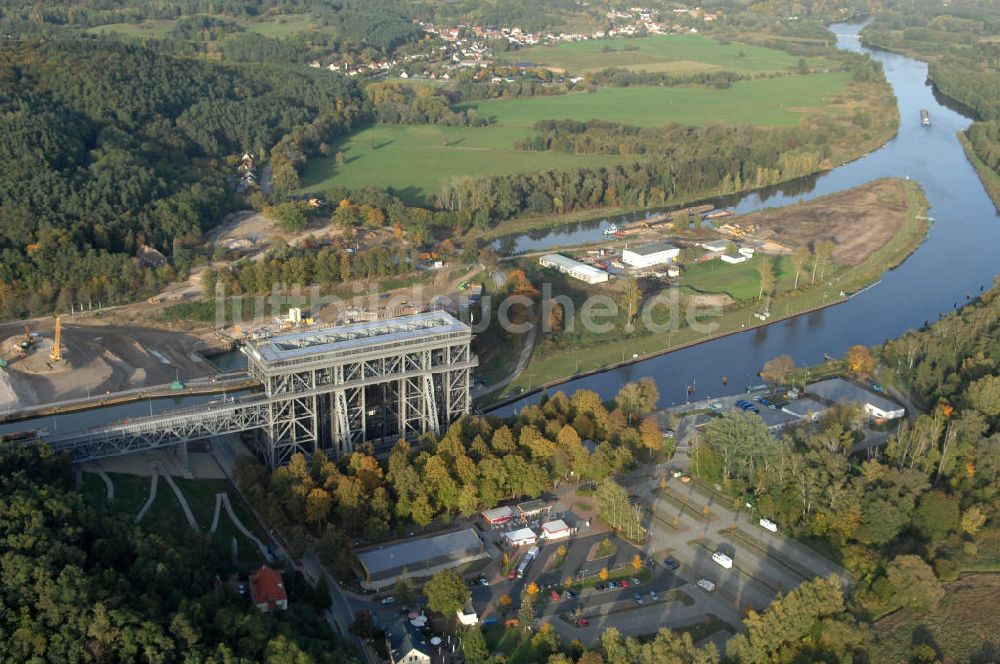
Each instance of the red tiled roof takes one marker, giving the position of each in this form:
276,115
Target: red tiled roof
266,585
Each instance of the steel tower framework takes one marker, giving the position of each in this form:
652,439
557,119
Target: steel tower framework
330,389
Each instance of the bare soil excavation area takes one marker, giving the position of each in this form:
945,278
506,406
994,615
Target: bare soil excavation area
858,221
97,358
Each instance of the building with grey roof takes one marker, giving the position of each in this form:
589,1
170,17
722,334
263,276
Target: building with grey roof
419,556
838,390
650,254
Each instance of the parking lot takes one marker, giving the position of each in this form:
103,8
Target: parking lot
685,523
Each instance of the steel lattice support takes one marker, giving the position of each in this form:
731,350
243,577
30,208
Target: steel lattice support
325,389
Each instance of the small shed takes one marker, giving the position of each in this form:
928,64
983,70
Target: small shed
555,530
521,537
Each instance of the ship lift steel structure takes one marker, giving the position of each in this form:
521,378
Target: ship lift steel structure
330,389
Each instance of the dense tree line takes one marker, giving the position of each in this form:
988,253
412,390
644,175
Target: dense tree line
402,103
83,583
910,513
111,147
477,463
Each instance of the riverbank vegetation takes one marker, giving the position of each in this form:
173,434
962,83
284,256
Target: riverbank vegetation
878,226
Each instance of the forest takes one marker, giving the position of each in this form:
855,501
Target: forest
104,168
84,583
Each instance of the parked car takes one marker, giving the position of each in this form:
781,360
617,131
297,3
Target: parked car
483,581
601,586
637,597
582,622
634,581
624,583
715,405
767,524
706,585
388,599
571,594
612,585
512,574
554,596
653,596
671,563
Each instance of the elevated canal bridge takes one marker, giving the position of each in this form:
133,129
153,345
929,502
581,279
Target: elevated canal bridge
330,389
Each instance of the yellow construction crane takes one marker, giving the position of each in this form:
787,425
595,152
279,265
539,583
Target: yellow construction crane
55,355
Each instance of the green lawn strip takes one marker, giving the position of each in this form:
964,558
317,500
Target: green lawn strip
751,577
667,522
989,177
131,492
671,53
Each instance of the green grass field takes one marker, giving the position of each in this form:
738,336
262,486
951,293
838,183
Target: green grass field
415,160
766,102
153,29
740,281
274,26
665,53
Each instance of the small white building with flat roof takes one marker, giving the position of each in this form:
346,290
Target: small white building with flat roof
715,246
575,269
521,537
648,255
734,258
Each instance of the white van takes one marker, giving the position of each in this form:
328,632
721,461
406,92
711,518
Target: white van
706,585
767,524
722,559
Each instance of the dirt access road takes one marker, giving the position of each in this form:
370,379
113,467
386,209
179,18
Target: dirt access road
858,221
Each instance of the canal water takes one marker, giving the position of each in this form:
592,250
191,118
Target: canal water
958,258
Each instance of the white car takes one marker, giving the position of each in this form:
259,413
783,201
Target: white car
388,600
767,524
706,585
722,559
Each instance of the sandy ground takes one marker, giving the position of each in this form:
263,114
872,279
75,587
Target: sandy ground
97,357
858,221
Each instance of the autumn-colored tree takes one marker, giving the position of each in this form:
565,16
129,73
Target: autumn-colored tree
556,317
799,259
603,574
637,562
505,601
765,269
775,371
532,589
651,435
317,505
973,519
859,360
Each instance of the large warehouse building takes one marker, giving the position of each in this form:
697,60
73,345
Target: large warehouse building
575,269
419,557
649,255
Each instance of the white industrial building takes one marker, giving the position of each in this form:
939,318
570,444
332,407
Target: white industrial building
648,255
575,269
734,258
838,390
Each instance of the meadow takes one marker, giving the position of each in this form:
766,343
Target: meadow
415,159
277,27
663,53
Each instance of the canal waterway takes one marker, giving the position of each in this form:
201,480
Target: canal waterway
958,258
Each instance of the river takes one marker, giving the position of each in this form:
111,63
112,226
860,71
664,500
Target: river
958,257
